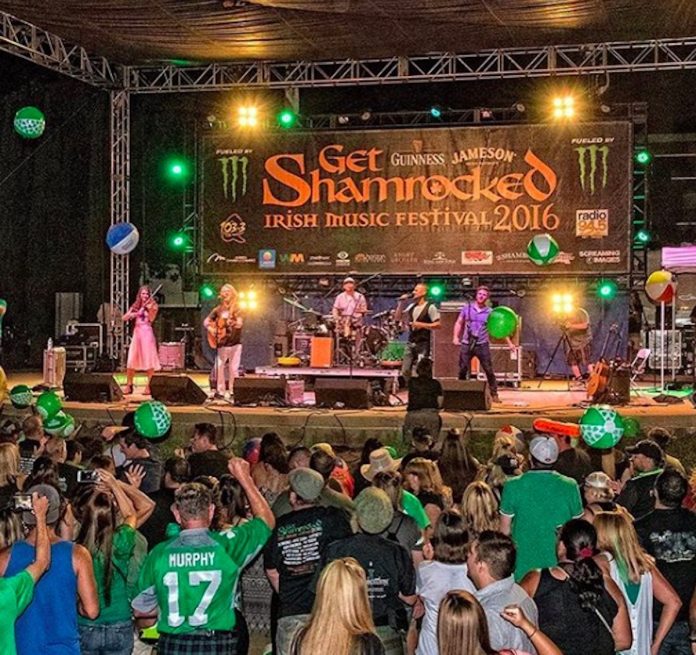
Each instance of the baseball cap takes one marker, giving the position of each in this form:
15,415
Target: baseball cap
349,279
648,448
53,496
373,510
544,449
598,480
306,483
325,447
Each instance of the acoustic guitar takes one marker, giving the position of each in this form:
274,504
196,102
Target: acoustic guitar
601,373
226,322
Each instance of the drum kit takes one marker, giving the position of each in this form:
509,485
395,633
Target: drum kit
322,341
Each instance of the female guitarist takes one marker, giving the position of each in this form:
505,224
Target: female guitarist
224,325
142,353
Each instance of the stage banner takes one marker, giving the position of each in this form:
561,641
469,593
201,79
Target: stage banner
435,200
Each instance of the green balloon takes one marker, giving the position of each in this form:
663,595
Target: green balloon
69,426
55,424
152,419
29,122
601,427
21,396
631,427
502,323
48,404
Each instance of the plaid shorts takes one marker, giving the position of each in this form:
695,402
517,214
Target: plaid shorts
203,642
579,356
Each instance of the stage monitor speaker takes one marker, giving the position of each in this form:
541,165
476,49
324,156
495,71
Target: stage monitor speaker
348,393
91,388
176,390
466,395
268,391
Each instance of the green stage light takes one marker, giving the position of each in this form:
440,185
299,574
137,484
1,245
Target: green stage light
642,236
178,241
436,112
436,291
643,156
287,118
207,291
607,289
176,169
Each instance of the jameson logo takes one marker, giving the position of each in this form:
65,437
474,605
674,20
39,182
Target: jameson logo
234,175
593,162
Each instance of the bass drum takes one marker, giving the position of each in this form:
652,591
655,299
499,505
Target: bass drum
376,339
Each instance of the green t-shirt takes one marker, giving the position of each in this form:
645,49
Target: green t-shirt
538,502
194,576
118,610
414,508
16,593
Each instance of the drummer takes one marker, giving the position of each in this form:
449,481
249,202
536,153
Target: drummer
350,307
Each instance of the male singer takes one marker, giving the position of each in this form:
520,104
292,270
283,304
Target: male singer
422,318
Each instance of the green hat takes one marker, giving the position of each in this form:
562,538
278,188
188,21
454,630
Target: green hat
374,510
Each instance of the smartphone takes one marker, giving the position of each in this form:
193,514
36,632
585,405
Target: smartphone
87,477
22,502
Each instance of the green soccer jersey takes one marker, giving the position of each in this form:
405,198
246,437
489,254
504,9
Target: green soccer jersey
194,576
16,593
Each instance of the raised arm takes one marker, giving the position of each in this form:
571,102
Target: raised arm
39,505
239,468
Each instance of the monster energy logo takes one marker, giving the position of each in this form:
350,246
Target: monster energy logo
234,174
590,154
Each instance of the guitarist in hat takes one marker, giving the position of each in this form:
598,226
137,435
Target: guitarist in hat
224,325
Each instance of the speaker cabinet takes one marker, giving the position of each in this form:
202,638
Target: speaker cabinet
466,395
445,353
176,390
348,393
268,391
91,388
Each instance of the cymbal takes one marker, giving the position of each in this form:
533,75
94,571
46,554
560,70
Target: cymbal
295,303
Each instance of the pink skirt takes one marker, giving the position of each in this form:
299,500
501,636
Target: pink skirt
142,354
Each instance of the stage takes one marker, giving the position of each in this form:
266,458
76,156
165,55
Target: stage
310,424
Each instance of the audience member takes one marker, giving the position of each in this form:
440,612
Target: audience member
599,495
341,620
340,474
205,458
663,438
535,504
137,451
11,478
371,444
458,467
491,563
668,534
639,580
646,463
49,623
480,509
390,573
462,628
33,437
422,445
580,610
422,478
293,554
573,461
17,591
446,570
174,570
271,472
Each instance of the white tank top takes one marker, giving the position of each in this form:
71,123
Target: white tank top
640,612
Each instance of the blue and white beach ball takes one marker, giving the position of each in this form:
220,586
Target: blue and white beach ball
122,238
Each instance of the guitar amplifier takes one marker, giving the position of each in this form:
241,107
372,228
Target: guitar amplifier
507,364
81,358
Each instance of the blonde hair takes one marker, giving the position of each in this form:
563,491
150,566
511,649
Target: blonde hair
462,628
428,474
503,444
617,536
480,508
341,611
56,449
9,464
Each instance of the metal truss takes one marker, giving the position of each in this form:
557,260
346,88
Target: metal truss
640,196
34,44
504,63
120,213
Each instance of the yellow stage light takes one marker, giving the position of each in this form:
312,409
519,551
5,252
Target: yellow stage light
563,107
562,304
247,116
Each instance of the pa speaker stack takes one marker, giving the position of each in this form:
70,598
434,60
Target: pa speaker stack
348,393
91,388
461,395
176,390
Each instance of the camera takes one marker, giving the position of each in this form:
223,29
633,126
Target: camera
87,477
22,502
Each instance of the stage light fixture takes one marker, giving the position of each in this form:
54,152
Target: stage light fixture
563,107
179,241
343,120
287,118
607,289
248,300
562,304
207,292
247,116
486,114
436,111
176,169
436,290
643,236
643,157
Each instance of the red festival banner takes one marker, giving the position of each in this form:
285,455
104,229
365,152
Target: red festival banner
434,200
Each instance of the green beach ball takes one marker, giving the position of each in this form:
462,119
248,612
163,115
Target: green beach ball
543,249
152,419
601,427
21,396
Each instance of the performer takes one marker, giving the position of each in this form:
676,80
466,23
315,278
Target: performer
349,308
224,324
422,318
579,333
142,353
471,334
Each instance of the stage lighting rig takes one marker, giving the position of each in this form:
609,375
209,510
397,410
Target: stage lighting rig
563,108
247,116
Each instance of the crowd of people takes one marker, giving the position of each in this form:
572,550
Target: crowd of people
545,548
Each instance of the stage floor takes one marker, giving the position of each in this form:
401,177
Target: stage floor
520,406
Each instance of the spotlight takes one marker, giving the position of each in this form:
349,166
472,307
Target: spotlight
436,111
486,114
642,236
248,300
177,169
643,157
207,291
519,107
179,241
287,118
607,289
247,116
436,290
562,304
343,120
366,115
563,107
605,109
